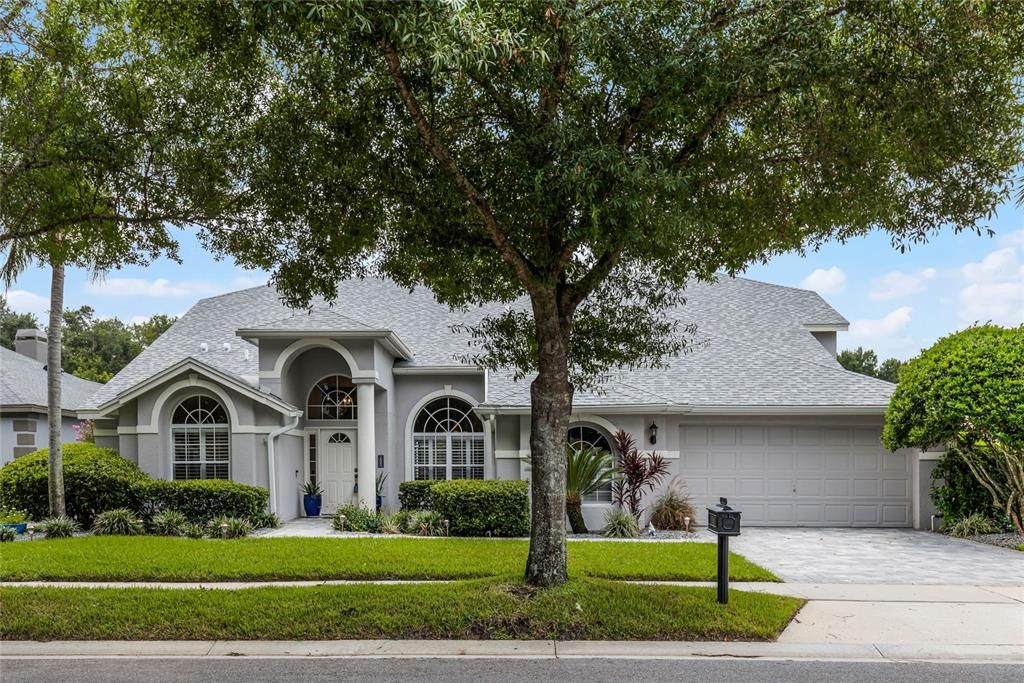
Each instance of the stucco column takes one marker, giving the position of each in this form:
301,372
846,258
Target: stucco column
366,446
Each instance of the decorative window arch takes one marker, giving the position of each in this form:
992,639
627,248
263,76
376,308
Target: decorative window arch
583,435
332,398
200,440
448,441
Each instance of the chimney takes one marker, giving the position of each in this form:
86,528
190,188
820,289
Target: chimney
31,343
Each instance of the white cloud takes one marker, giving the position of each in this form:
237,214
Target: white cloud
896,284
885,326
825,281
163,288
24,301
993,289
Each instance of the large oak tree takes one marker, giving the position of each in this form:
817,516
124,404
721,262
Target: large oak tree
592,157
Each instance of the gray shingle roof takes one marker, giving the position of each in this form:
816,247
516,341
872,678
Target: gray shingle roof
754,347
23,383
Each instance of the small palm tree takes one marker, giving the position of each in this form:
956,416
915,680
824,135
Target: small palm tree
589,469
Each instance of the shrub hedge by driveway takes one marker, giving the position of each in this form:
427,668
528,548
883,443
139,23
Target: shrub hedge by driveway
583,609
152,558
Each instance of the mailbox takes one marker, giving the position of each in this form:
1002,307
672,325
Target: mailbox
723,520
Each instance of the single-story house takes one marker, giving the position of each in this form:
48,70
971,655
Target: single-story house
23,397
242,387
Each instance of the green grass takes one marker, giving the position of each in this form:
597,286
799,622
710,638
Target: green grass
151,558
586,609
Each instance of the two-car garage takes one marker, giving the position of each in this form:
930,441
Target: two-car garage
795,474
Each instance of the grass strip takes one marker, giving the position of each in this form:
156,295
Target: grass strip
583,609
152,558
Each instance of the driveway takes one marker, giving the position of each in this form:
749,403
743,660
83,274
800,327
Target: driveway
893,556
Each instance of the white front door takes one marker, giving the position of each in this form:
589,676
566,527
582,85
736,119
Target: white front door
338,470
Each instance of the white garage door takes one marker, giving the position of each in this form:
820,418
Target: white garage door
797,476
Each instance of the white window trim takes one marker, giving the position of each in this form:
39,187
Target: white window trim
449,464
203,430
410,422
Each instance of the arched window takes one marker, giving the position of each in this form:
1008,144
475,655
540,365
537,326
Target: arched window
332,398
584,436
448,441
200,440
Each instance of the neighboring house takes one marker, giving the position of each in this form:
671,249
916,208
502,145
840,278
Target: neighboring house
242,387
23,423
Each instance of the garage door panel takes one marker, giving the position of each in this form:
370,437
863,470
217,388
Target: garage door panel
824,477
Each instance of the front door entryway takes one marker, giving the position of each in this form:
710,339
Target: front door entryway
338,471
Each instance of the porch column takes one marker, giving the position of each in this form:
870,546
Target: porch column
365,446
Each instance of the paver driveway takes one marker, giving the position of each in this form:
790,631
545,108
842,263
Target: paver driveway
900,556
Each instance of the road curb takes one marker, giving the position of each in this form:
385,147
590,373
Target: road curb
535,649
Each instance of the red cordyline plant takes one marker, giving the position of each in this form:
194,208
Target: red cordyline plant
636,473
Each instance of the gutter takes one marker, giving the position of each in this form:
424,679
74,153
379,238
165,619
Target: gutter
271,465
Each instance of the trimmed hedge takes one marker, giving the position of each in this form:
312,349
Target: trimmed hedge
201,500
483,508
95,480
415,495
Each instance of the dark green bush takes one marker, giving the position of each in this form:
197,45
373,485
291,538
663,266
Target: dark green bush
415,495
483,508
356,518
957,494
95,480
201,500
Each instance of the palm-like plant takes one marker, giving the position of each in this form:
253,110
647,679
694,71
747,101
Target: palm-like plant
588,470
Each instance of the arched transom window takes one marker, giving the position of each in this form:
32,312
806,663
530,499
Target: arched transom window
200,440
332,398
584,436
448,441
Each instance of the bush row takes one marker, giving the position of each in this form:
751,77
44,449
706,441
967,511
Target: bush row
472,507
97,480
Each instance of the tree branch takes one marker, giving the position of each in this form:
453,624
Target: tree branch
522,267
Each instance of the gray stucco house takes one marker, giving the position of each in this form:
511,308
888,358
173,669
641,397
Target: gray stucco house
23,399
243,387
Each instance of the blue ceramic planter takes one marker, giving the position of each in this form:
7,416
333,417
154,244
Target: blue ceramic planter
19,528
312,504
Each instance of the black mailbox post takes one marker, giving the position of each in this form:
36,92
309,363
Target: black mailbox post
724,522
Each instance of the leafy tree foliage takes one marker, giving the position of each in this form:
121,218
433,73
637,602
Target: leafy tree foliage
11,322
865,362
97,349
589,158
967,392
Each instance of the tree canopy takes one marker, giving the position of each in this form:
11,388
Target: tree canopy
11,322
865,362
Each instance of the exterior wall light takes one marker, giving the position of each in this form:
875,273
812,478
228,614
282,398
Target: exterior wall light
654,433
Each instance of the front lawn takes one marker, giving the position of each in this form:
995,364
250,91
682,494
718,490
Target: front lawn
152,558
584,609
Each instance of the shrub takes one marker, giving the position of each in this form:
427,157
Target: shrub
265,520
228,527
673,507
168,523
193,530
117,522
356,518
415,495
587,470
973,525
636,473
483,508
7,534
95,480
425,523
60,526
960,494
390,524
8,516
203,499
620,524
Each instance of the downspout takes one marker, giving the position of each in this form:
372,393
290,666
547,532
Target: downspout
271,465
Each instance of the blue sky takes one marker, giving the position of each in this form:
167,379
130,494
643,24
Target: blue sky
896,303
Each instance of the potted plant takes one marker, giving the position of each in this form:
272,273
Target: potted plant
14,519
312,498
381,478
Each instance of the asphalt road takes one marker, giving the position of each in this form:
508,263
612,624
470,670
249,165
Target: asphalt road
252,670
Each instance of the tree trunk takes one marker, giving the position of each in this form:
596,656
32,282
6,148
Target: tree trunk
53,390
551,406
574,510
